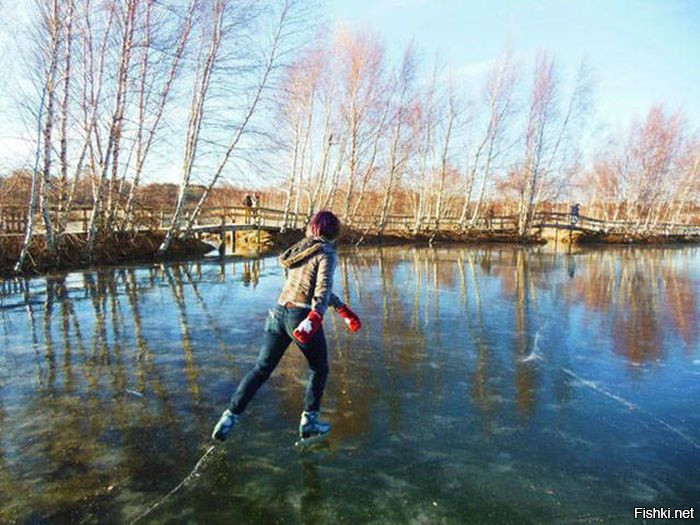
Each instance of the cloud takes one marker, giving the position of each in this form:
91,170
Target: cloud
473,70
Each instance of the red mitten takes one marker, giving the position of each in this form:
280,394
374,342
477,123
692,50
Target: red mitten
308,327
350,318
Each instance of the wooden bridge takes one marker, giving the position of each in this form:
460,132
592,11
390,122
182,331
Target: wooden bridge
222,220
211,220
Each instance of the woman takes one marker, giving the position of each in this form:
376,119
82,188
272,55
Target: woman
298,316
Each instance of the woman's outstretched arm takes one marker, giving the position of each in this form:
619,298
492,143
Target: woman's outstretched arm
323,291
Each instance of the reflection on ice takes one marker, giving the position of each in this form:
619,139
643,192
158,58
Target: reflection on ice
486,385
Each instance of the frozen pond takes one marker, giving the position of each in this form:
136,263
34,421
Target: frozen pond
488,385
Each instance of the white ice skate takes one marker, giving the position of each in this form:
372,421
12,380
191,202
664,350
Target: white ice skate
311,430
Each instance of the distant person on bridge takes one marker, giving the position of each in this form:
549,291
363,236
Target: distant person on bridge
298,317
490,214
248,203
255,206
575,213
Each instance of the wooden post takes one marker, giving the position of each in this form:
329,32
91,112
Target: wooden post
85,220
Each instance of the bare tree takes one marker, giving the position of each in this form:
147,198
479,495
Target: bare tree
301,88
205,69
647,179
399,148
548,157
332,193
371,165
688,188
540,120
361,58
424,133
146,130
654,151
52,24
64,108
444,161
34,195
329,140
285,23
499,87
115,124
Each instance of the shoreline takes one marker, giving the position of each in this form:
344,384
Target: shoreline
114,249
126,248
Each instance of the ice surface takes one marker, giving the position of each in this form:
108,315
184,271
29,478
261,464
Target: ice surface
486,386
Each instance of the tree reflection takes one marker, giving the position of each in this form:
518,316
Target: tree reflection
637,291
110,377
642,292
176,284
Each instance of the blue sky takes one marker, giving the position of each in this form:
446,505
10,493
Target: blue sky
641,52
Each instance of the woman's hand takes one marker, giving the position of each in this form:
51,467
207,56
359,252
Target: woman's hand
351,319
306,330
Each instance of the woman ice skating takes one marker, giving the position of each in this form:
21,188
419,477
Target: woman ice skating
298,315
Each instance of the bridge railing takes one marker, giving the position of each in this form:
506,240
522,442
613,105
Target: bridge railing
258,216
582,222
408,223
13,221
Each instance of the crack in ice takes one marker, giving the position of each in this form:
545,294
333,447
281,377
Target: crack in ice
594,386
187,478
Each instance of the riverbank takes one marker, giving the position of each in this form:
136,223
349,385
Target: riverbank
359,238
635,239
125,247
115,248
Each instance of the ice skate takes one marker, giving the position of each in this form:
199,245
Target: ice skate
225,425
311,430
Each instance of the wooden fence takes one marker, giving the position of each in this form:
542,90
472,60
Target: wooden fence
13,221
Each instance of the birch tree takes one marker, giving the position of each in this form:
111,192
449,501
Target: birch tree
424,133
296,109
498,94
399,148
329,140
688,188
147,129
115,124
444,161
210,43
649,177
361,61
52,26
65,109
285,25
549,156
539,122
34,194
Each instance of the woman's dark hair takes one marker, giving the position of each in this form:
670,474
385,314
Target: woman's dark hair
324,224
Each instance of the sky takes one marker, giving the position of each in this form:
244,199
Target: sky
641,52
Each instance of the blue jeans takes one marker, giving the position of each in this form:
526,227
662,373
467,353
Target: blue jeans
280,324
